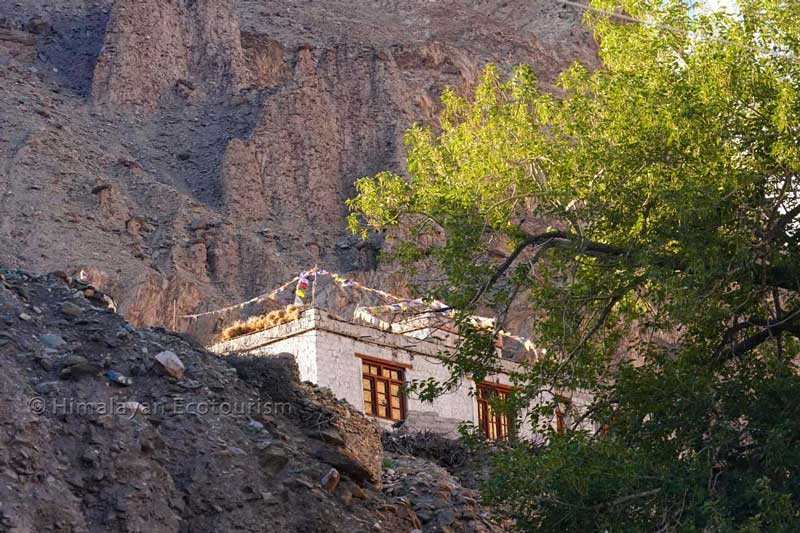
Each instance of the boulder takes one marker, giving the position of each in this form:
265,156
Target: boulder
52,341
330,480
171,364
71,310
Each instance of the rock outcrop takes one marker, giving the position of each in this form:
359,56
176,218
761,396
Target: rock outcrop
186,154
339,435
438,499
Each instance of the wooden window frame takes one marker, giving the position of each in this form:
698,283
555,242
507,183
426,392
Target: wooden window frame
383,377
561,423
501,424
388,362
561,415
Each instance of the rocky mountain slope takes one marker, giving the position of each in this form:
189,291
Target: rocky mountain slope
185,154
105,427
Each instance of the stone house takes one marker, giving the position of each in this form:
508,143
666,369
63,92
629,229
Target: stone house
366,365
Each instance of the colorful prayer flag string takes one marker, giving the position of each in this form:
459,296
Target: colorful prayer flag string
300,291
260,298
367,314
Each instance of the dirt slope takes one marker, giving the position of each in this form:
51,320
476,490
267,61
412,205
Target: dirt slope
223,445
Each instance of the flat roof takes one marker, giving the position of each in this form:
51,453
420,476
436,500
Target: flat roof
318,319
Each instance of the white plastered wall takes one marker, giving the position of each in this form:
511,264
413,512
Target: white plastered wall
326,350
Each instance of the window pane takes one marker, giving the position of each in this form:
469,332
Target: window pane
368,407
494,425
382,397
381,390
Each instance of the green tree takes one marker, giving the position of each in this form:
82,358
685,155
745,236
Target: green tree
647,215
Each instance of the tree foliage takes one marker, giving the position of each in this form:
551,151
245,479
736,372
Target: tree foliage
647,212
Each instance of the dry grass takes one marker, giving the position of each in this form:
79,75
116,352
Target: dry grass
262,322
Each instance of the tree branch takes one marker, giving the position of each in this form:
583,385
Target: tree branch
783,221
770,330
629,497
548,239
784,276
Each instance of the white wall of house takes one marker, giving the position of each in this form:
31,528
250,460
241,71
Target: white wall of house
341,370
302,347
297,338
326,349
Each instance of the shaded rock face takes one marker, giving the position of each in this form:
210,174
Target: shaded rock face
188,154
338,434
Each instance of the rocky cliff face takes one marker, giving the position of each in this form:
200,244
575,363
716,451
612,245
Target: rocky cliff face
152,48
186,154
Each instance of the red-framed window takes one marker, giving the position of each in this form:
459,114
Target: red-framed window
562,414
493,424
382,383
